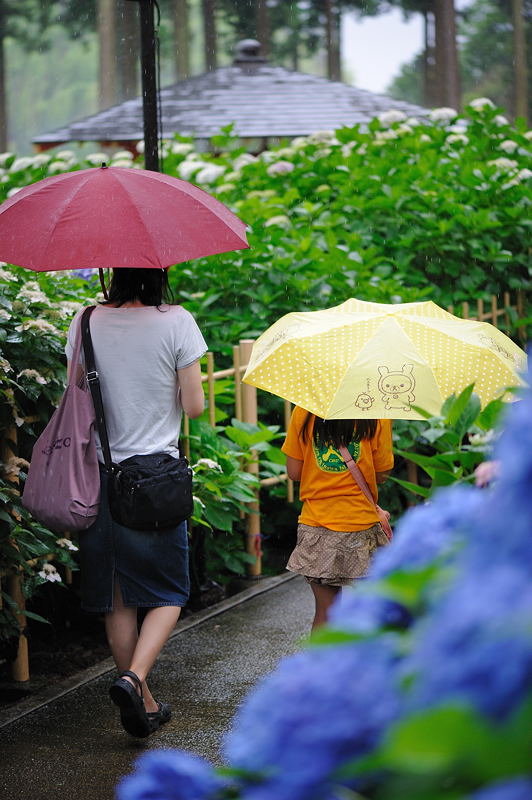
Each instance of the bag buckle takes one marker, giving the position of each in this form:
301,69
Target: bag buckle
92,376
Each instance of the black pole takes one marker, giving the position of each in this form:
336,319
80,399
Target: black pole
149,85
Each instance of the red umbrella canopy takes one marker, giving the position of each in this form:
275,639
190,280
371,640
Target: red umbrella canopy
114,217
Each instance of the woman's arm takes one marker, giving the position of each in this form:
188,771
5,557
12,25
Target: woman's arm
192,397
294,468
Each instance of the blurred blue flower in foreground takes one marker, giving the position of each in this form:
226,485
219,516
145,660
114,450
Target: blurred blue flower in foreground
172,775
433,684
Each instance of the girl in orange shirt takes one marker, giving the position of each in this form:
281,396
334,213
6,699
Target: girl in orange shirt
338,528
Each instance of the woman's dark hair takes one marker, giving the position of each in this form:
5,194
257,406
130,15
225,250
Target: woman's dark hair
338,432
150,286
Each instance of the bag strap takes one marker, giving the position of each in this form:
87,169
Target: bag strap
74,360
357,474
93,380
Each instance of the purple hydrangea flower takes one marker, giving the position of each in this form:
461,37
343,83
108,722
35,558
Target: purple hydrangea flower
171,775
513,789
316,711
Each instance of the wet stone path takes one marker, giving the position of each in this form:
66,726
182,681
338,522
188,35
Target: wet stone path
74,747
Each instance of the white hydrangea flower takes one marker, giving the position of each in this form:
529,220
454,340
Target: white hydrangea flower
384,136
12,192
38,325
69,306
413,122
404,129
500,121
49,573
424,138
243,159
280,168
5,275
528,135
319,137
480,103
209,173
443,114
508,145
281,220
522,175
457,138
187,169
123,155
122,162
503,163
19,164
140,146
225,187
33,375
299,142
33,294
391,116
181,148
96,159
40,159
67,544
57,166
65,155
4,157
208,462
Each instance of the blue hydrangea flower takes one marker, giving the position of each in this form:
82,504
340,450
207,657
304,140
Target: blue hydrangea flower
316,711
170,775
358,612
476,645
513,789
433,531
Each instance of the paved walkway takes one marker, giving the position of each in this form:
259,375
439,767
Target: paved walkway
73,746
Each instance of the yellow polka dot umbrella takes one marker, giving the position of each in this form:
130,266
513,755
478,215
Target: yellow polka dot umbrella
363,360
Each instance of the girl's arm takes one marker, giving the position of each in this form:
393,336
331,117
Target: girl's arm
192,397
382,476
294,468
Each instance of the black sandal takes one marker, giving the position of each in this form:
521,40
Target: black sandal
159,717
133,715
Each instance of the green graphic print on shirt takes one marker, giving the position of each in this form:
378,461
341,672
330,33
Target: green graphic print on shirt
329,459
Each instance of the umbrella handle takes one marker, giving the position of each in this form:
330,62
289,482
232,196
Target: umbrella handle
102,283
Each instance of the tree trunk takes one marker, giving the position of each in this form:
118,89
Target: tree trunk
107,60
429,71
262,27
447,73
128,46
3,98
181,39
209,29
332,39
520,62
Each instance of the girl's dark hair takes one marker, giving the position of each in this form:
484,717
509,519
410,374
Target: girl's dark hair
338,432
150,286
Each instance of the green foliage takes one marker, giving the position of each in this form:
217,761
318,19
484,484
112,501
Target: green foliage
450,446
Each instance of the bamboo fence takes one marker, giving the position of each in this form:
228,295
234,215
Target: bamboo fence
246,410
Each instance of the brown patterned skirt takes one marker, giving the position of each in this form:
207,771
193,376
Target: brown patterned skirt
334,558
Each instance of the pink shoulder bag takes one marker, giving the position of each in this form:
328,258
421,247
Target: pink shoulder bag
62,490
384,516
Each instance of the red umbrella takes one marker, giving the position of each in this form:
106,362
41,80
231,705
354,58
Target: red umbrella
114,217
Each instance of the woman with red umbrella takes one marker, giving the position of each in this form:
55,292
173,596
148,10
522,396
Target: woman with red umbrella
147,356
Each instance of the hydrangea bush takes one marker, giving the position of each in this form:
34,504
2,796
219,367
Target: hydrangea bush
420,686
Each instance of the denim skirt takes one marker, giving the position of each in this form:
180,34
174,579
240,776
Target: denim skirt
151,567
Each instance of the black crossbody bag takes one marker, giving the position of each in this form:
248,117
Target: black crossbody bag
146,492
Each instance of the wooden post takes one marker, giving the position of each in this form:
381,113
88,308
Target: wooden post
238,382
249,414
20,667
289,483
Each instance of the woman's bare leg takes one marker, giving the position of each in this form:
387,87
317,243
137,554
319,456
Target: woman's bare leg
137,651
324,596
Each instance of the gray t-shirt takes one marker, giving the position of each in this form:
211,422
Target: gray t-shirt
137,352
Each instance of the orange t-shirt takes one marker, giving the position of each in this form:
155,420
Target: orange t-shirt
331,497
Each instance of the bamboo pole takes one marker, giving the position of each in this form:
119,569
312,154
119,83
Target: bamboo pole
186,434
249,414
20,668
210,389
238,382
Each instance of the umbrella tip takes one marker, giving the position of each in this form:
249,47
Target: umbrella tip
104,165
